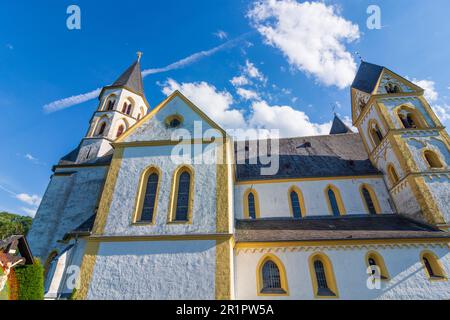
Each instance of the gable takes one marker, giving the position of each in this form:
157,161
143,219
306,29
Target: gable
389,78
359,101
153,127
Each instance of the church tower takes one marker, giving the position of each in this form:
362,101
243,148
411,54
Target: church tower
120,106
405,140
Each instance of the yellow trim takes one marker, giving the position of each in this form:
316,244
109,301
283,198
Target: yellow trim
108,191
224,254
174,194
245,202
338,197
87,268
436,265
223,187
430,112
435,157
150,115
167,237
300,199
373,196
251,182
329,274
282,244
380,263
140,195
399,78
282,271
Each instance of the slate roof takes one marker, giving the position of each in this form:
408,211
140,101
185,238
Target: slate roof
357,227
311,157
339,127
16,250
131,78
71,157
367,77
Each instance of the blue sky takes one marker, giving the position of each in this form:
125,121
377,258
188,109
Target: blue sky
272,52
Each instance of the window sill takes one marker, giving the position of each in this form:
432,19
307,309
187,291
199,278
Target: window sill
142,223
180,222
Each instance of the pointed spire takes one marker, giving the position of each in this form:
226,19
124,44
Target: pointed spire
132,78
339,127
367,77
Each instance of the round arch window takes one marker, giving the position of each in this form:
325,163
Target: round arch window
174,121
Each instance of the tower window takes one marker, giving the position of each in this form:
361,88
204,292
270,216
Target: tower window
369,202
295,204
271,278
376,134
410,118
120,130
251,206
102,129
111,104
432,159
149,203
393,176
392,88
129,109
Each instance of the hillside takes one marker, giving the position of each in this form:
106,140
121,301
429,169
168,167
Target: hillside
13,224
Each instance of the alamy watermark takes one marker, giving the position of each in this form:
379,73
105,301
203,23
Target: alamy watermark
73,21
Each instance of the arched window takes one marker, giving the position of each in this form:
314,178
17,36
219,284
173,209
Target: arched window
150,196
378,267
139,116
433,268
251,204
335,204
432,159
376,134
393,176
324,283
120,130
370,200
110,104
272,276
296,203
410,118
182,195
102,129
392,88
129,109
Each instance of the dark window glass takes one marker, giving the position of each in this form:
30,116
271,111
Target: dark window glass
120,131
372,263
124,108
129,109
102,128
174,123
271,278
369,202
295,202
182,209
111,104
428,266
322,283
251,206
333,203
148,207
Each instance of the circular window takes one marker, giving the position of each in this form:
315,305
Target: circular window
174,121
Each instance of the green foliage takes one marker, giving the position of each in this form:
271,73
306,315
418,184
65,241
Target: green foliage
31,281
13,224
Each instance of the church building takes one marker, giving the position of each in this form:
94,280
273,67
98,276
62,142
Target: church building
134,213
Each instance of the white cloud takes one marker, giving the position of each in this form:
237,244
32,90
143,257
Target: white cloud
239,81
253,72
216,104
30,157
221,34
429,86
32,200
29,212
443,113
289,122
311,35
247,94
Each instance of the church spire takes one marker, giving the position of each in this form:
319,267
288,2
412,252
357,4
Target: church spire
132,78
339,127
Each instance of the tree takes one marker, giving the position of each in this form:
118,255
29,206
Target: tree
13,224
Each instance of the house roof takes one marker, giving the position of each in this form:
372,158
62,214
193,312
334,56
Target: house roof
339,127
16,250
357,227
367,77
310,157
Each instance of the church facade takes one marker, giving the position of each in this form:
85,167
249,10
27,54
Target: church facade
136,212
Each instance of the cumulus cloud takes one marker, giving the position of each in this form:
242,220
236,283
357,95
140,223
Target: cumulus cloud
311,35
263,116
247,94
29,212
253,72
442,110
239,81
216,104
32,200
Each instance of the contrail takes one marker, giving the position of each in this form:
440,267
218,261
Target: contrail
77,99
